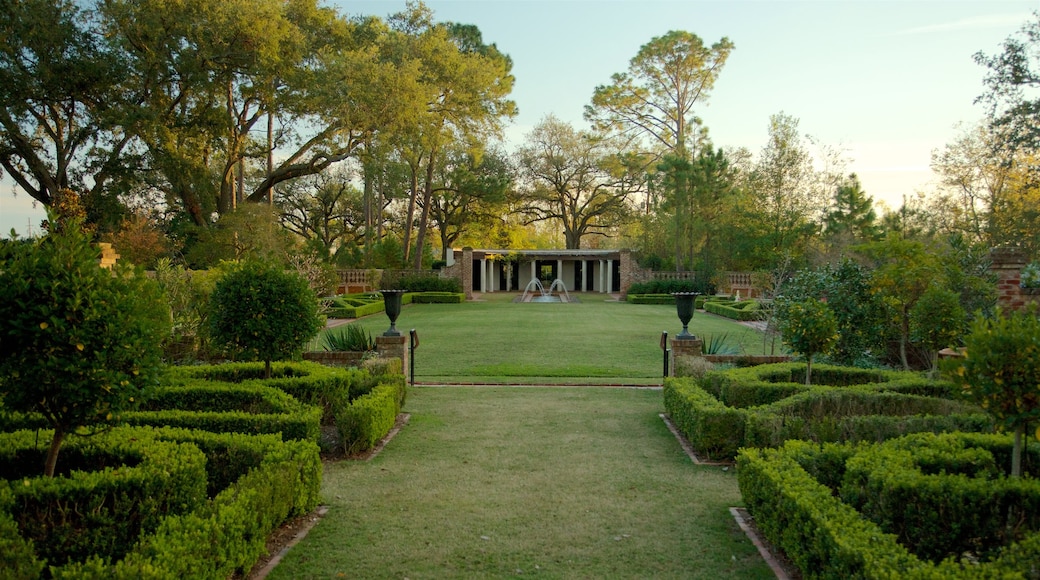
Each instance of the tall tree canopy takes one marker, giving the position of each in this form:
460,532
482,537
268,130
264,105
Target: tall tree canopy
567,181
656,97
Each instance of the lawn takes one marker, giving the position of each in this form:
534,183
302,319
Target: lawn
502,482
496,340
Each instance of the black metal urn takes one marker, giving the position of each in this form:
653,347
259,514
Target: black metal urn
684,306
392,305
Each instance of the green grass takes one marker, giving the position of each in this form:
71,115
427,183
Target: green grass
495,340
503,482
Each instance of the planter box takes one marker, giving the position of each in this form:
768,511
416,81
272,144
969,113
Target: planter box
343,358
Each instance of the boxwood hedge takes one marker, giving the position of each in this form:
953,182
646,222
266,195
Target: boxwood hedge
921,506
760,407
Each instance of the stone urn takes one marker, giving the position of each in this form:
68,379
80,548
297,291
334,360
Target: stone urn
392,305
684,302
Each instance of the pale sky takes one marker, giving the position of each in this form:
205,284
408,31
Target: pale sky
888,81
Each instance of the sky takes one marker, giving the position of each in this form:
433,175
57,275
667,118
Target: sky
885,81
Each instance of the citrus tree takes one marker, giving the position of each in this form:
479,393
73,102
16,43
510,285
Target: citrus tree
809,328
79,343
1001,372
261,312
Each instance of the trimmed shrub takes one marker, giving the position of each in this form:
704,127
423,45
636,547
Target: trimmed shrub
763,406
227,535
341,307
421,282
263,313
649,298
370,417
823,534
438,298
744,310
18,559
111,489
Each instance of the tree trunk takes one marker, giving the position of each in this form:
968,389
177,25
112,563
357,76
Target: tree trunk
267,369
410,216
808,371
270,156
904,333
424,220
52,453
1016,451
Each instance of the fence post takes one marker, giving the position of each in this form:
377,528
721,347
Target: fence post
413,344
667,352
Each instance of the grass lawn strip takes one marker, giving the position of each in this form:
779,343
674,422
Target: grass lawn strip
499,482
497,341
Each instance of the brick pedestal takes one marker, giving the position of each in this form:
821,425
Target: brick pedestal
684,347
394,347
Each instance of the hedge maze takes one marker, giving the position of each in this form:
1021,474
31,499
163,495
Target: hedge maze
196,479
867,474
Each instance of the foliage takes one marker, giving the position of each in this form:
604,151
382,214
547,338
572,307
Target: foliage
267,482
826,537
251,232
419,282
905,269
852,219
655,98
570,182
717,344
187,293
697,284
859,313
1010,80
116,488
937,321
352,337
1030,277
262,312
79,344
369,418
1001,371
140,242
810,328
744,310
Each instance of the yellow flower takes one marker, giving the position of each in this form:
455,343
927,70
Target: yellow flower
43,326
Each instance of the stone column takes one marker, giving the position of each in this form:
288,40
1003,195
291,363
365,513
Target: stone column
1007,264
394,347
483,274
534,269
684,347
559,269
610,276
584,273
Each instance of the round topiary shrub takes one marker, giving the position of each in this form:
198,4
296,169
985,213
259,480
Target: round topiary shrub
260,312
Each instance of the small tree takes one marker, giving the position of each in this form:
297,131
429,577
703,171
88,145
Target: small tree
78,343
263,313
936,321
1001,372
809,328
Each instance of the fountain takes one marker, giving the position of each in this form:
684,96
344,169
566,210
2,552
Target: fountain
544,295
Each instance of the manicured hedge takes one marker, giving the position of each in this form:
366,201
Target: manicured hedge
726,410
261,482
914,492
650,298
307,382
109,490
744,310
438,298
370,417
354,306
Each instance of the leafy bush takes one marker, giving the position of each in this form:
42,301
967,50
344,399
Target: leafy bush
187,292
263,313
438,298
352,337
1030,276
937,321
368,419
81,344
